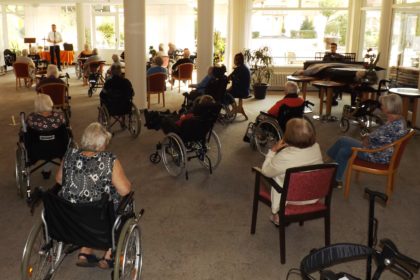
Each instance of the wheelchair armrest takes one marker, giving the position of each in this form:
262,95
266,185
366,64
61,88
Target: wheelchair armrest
267,114
125,200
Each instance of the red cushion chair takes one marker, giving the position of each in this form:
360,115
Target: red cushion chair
300,184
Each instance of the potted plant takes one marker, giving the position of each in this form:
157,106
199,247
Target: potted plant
259,61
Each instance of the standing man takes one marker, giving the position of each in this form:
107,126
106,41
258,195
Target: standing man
54,38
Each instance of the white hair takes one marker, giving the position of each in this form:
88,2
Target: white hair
95,137
43,103
52,70
392,103
291,87
24,52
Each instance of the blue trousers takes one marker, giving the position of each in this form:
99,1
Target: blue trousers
340,152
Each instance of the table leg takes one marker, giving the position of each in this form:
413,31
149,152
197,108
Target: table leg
414,113
405,107
329,101
321,100
304,86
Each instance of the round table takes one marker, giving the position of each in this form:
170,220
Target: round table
407,94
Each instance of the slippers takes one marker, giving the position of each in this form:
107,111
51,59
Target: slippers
87,260
106,263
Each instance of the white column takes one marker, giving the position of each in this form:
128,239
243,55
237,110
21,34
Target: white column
80,22
239,27
4,26
385,31
135,48
353,36
205,18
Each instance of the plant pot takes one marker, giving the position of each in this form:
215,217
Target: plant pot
260,90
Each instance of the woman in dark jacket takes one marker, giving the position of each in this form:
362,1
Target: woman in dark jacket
240,77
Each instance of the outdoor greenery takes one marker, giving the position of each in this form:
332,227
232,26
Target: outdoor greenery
259,61
219,44
107,30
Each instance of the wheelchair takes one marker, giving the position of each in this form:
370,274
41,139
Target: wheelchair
60,96
95,79
268,130
195,139
64,227
117,110
34,146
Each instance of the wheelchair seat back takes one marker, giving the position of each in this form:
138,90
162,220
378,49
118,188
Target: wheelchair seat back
46,145
56,91
198,127
217,88
286,113
117,102
84,224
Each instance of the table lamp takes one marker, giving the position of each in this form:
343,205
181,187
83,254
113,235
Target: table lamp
29,41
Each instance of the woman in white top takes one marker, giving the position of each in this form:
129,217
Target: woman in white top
297,148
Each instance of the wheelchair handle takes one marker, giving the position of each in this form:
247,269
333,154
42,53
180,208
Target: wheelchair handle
389,249
307,103
373,194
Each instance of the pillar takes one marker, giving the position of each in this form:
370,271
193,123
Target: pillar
135,48
80,21
205,17
385,31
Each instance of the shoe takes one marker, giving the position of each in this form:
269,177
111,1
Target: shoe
106,263
87,260
334,103
274,218
338,185
46,174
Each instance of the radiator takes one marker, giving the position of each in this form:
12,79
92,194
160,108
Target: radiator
278,79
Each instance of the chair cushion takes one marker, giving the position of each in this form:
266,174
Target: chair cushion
292,209
369,164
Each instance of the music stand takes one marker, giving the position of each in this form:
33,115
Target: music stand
29,41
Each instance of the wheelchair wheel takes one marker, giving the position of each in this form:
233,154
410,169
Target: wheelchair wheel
103,116
134,125
213,153
129,255
39,256
78,71
227,113
21,172
344,125
173,154
266,134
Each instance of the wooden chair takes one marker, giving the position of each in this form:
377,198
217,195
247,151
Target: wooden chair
388,170
22,72
184,74
156,84
60,97
300,184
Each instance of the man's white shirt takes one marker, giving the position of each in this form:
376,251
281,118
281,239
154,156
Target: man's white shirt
55,36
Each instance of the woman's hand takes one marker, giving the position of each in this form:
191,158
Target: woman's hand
278,146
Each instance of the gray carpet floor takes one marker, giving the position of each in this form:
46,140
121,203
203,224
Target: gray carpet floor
200,228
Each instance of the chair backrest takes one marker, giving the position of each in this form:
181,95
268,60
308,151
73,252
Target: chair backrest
347,57
156,82
399,147
199,127
21,69
56,91
84,224
185,71
286,113
165,61
46,145
308,183
217,88
96,66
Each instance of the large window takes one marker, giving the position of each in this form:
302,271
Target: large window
15,26
295,30
108,26
405,44
371,15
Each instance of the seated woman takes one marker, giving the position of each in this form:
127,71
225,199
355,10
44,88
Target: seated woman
86,52
185,59
117,92
24,58
240,78
156,66
394,128
86,68
297,148
85,174
44,119
52,76
172,122
290,99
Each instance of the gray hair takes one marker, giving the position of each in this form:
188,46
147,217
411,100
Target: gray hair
291,87
115,58
158,60
25,52
392,103
161,47
95,137
95,51
52,70
43,103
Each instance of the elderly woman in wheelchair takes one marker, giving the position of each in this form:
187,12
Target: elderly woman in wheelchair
92,209
269,127
188,136
44,137
117,103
